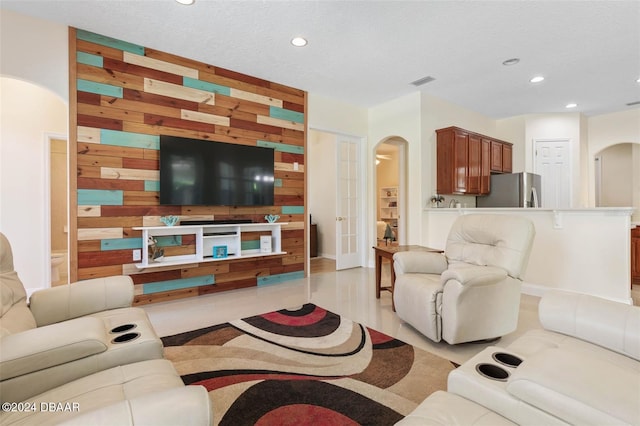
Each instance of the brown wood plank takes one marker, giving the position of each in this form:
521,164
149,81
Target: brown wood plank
293,106
109,222
256,127
99,122
99,272
133,163
140,71
226,286
141,198
150,277
159,120
212,268
88,246
140,210
88,172
151,100
88,98
110,150
113,78
122,184
99,161
103,258
111,113
98,49
143,299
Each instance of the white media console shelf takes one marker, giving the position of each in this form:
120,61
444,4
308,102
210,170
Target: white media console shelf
209,236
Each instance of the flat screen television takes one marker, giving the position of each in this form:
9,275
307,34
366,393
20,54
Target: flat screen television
205,173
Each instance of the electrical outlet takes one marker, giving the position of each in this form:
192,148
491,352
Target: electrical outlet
137,255
296,166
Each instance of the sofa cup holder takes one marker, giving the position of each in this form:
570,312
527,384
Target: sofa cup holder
123,338
492,371
507,359
122,328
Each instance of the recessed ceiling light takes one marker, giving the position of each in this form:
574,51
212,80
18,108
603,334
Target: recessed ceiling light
186,2
299,41
511,61
571,105
638,80
537,79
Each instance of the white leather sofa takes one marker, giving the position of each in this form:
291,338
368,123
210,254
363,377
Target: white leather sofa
472,292
143,393
66,332
583,368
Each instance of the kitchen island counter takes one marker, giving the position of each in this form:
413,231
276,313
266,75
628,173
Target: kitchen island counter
587,250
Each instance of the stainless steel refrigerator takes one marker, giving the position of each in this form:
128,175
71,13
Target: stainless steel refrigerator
513,190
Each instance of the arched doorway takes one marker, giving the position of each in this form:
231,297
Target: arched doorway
390,188
617,176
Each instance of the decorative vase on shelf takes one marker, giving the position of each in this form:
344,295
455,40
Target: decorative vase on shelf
169,220
271,218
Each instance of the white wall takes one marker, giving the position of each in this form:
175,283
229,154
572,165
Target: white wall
28,113
399,118
35,50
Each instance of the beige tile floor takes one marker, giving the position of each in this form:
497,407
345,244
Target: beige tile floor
349,293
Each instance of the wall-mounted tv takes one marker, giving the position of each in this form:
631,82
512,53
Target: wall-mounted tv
195,172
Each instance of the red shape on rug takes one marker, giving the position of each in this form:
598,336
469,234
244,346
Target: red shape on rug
304,415
377,337
276,317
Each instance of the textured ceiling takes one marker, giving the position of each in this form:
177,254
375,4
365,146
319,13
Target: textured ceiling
368,52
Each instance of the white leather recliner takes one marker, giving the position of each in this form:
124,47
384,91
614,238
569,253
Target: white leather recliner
472,291
67,332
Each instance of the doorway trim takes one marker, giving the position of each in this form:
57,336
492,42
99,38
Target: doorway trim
402,145
362,187
48,138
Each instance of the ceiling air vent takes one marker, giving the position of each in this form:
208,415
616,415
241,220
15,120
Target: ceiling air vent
633,103
424,80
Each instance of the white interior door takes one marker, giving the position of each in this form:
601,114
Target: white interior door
349,248
553,164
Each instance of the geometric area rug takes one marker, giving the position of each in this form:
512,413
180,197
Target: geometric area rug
306,366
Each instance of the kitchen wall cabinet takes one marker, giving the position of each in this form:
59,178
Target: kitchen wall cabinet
465,161
635,255
501,156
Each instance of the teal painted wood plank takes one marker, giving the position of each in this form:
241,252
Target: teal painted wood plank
152,185
205,85
169,240
120,244
280,278
89,59
100,197
286,114
129,139
292,209
277,182
169,285
99,88
250,245
293,149
109,42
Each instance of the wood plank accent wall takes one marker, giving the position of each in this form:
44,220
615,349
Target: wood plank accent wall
123,97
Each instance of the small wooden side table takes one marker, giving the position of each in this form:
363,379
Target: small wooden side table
387,252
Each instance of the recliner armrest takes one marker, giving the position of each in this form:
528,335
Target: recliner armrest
45,347
188,406
474,275
82,298
419,262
